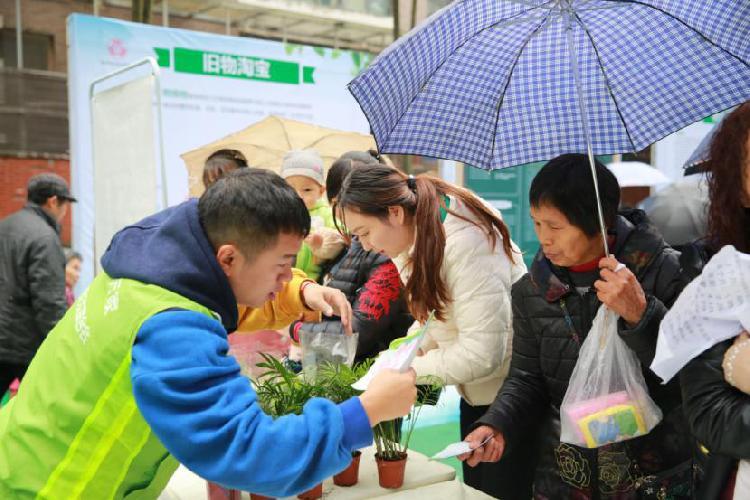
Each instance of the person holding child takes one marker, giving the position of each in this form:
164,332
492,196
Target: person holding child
303,170
370,280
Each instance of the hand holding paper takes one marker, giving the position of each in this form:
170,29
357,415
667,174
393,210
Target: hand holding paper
486,444
391,395
399,356
456,449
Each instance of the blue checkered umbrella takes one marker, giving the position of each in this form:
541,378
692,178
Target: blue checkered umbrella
497,83
490,82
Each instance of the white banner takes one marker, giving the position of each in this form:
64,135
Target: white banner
211,86
125,159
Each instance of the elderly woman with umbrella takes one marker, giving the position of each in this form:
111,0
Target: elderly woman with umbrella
553,309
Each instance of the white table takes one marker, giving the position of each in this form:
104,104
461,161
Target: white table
423,479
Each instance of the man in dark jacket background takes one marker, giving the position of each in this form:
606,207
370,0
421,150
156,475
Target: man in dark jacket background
32,274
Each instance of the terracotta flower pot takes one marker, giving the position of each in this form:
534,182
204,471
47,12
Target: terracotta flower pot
391,472
257,496
218,492
350,475
316,492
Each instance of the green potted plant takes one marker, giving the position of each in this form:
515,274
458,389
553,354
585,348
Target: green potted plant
282,392
392,440
337,380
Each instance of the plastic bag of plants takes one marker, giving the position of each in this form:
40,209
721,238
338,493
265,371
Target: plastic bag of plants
319,348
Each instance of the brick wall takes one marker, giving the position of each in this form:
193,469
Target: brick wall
15,173
49,17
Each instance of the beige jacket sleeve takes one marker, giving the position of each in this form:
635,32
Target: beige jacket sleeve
472,342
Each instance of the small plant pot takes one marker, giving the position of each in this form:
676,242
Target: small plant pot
312,494
218,492
391,472
257,496
350,475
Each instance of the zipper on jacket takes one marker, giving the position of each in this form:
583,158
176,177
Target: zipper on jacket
585,314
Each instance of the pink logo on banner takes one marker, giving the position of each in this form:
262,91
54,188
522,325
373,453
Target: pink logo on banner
116,48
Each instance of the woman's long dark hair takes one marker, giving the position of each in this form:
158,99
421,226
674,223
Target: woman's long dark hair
372,190
728,169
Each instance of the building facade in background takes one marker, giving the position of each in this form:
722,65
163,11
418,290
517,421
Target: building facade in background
34,134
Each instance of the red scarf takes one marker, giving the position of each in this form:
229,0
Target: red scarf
593,265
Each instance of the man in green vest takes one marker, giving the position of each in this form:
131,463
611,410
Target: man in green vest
136,377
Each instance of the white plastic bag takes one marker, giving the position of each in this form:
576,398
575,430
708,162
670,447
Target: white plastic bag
607,400
320,348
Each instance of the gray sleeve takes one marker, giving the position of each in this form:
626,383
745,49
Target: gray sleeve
46,278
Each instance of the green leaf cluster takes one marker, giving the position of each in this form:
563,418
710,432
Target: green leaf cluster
282,392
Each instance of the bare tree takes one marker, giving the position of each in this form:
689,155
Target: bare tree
396,27
142,11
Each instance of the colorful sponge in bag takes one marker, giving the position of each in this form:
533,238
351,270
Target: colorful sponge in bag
607,419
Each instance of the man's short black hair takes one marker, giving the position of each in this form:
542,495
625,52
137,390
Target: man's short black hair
565,183
249,208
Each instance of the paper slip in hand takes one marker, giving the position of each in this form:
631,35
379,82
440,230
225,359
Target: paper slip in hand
713,308
398,356
456,449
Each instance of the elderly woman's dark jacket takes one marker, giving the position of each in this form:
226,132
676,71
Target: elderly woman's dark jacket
545,351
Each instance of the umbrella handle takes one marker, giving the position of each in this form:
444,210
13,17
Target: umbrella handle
586,130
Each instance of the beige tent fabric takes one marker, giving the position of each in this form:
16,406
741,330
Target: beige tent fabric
265,143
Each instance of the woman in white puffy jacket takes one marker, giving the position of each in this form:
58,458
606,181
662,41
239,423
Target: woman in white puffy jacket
455,257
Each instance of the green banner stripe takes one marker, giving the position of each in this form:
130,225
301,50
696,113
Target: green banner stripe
162,57
307,74
199,62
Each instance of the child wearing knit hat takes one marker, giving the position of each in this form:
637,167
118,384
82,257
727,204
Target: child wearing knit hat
303,170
